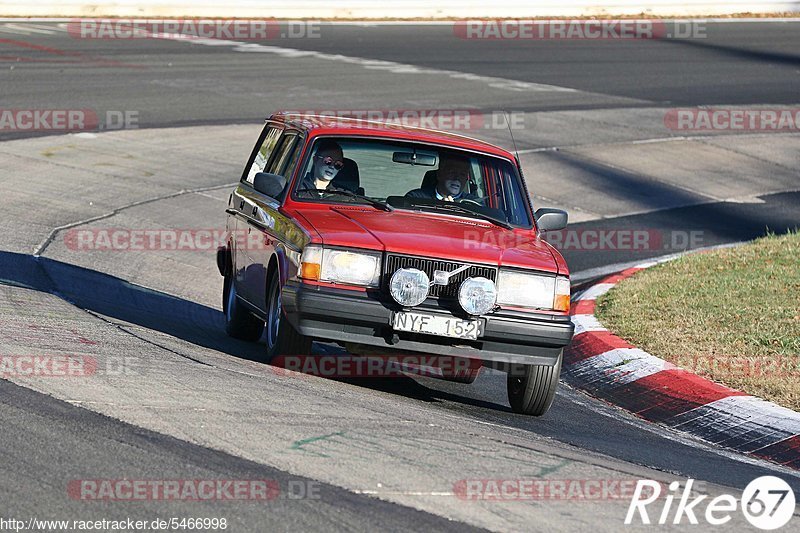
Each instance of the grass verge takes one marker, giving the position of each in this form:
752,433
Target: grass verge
731,315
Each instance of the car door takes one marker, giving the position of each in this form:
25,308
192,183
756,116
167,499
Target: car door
266,225
241,209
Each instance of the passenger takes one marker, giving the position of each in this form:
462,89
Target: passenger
451,181
327,162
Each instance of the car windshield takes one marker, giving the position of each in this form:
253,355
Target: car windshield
413,176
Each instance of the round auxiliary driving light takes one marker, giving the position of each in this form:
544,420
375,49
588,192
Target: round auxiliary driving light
409,286
477,295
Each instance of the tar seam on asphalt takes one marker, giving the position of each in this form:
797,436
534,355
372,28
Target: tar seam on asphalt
43,246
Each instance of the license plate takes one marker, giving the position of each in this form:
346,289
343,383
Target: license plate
445,326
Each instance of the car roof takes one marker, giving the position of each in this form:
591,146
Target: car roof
330,125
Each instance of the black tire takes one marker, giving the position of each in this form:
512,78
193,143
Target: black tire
531,388
239,322
282,338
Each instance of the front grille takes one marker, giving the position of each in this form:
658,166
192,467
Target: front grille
395,262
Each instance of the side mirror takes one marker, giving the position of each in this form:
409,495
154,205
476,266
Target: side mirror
548,219
270,184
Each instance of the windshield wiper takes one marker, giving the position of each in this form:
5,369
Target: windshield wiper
377,203
452,206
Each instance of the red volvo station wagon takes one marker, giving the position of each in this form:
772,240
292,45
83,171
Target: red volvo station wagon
395,239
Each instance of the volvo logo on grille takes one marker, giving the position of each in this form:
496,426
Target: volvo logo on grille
442,277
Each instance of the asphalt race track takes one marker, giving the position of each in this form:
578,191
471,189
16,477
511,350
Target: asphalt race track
175,398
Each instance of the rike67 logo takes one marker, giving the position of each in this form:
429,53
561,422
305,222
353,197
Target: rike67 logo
767,503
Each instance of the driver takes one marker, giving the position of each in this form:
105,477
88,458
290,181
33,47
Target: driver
451,181
327,163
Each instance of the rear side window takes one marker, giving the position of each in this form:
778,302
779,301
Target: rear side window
283,155
263,154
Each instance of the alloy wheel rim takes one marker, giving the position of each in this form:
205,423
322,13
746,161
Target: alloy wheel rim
274,317
231,302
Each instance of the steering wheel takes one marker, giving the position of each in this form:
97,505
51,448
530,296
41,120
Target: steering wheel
471,201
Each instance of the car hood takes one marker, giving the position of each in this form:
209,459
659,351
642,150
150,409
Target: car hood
431,235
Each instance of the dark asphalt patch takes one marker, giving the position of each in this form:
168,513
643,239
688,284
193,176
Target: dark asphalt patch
47,443
711,224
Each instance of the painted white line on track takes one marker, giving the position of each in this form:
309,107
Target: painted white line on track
372,64
12,32
40,28
54,27
223,200
658,140
361,22
404,493
26,29
544,19
662,140
9,28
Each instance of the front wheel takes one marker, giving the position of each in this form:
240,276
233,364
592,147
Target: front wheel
239,322
282,338
531,388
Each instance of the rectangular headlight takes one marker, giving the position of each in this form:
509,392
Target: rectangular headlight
535,291
341,266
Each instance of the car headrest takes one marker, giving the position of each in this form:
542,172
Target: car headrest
429,181
348,177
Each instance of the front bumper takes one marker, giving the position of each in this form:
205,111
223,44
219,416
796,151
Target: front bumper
365,318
